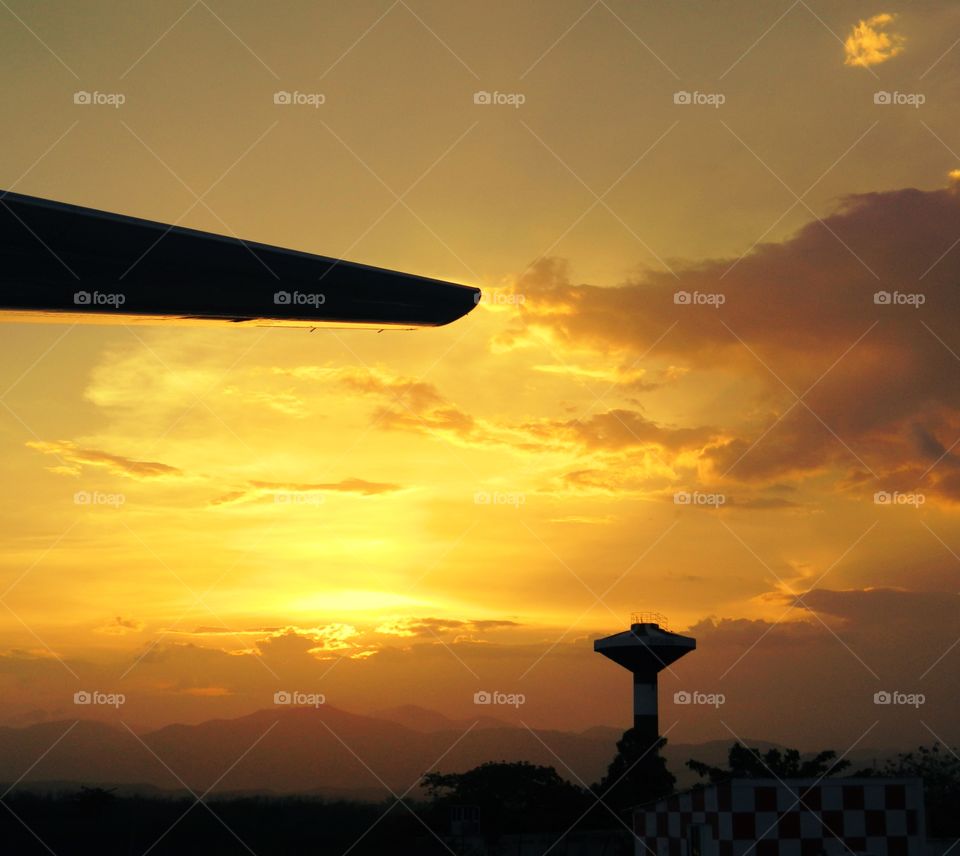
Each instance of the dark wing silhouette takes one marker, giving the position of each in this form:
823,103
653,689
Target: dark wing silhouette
64,262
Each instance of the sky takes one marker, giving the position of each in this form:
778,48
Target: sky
714,373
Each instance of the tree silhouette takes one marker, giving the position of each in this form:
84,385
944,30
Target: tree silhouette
637,774
940,772
512,797
744,763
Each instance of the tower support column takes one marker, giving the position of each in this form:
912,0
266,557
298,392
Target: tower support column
645,713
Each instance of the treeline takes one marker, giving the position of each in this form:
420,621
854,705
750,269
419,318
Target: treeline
96,821
509,798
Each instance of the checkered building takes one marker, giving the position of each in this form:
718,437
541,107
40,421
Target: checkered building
794,817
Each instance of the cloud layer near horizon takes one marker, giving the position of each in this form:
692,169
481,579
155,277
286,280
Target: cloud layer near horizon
832,648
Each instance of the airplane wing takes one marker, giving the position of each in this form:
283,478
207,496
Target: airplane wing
61,262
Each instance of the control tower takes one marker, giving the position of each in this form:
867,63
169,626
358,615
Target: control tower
645,649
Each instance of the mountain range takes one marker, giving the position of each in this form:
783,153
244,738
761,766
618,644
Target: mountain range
321,751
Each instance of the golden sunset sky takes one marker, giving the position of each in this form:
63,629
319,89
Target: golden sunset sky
409,517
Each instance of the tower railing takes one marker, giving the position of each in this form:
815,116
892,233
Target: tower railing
649,618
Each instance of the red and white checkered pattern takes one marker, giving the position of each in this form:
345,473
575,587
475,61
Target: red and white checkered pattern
796,817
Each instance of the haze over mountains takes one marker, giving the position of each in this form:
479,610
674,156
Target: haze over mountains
323,751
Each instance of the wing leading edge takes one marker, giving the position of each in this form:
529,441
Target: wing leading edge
64,262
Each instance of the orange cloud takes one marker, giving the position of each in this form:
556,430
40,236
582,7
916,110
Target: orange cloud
292,642
870,44
120,626
77,458
301,492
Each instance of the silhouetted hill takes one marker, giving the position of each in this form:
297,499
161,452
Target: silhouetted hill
291,750
423,719
323,751
602,732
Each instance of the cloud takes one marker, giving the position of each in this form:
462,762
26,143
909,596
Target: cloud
434,627
269,491
622,376
285,403
620,429
207,692
834,653
833,379
765,503
76,458
206,630
120,626
408,404
293,642
893,609
420,407
870,44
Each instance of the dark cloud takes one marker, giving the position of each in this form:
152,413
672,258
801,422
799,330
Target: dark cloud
879,382
621,429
